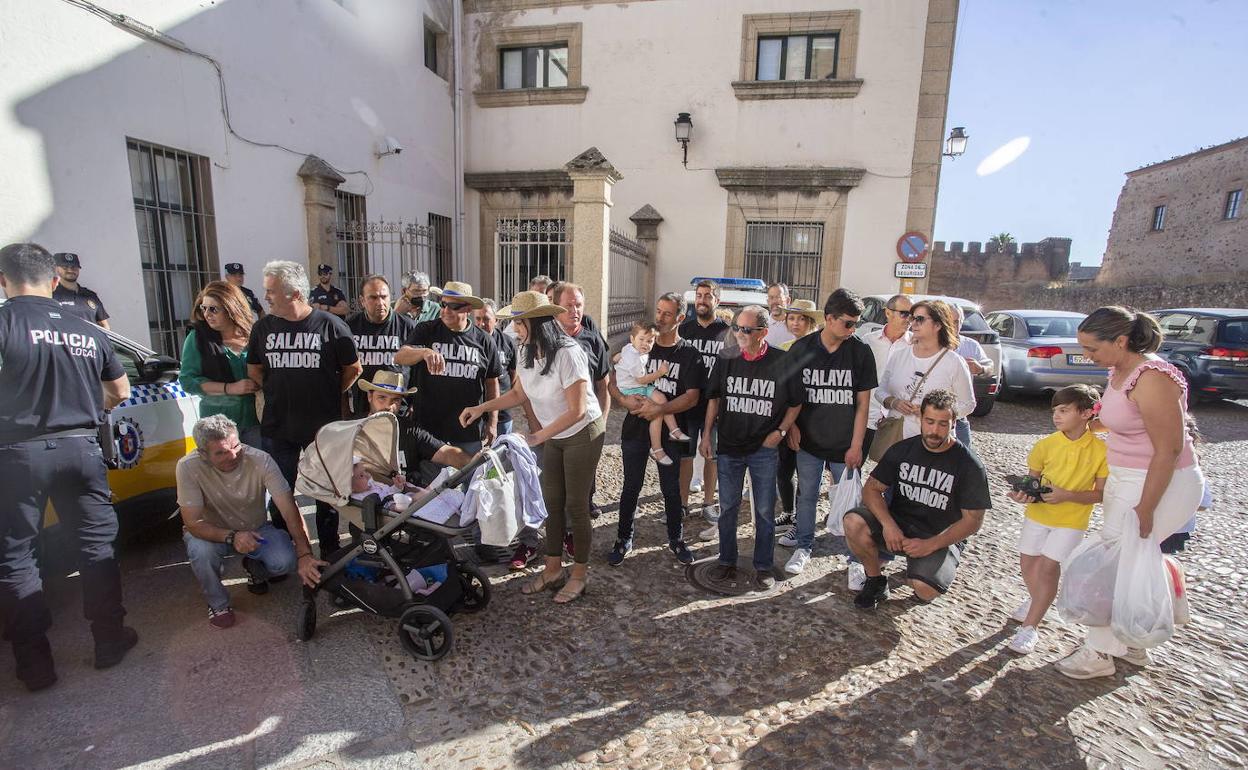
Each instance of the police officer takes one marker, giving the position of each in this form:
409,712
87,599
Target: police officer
325,296
235,275
76,299
52,365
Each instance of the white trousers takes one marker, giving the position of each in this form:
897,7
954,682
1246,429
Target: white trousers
1122,493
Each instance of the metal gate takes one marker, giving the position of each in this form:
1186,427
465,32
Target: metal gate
786,252
630,264
524,248
386,248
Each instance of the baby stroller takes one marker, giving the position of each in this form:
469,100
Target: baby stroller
372,571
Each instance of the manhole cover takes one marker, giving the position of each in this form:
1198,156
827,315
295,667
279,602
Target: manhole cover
700,574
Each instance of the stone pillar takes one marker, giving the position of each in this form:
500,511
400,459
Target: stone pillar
592,178
320,211
647,221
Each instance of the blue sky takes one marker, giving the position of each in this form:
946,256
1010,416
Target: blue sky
1101,87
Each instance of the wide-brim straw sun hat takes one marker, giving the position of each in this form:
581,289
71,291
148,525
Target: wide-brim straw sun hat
386,382
455,291
807,308
530,304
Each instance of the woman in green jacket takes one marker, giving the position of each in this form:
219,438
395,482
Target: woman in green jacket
214,358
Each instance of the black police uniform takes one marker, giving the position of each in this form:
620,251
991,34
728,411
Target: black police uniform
51,405
83,303
251,300
327,297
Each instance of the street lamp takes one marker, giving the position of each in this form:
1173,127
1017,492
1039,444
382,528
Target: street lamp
684,132
955,145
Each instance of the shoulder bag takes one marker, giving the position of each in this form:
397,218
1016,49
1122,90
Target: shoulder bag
888,431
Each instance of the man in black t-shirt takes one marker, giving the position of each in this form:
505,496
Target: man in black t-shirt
74,298
834,373
455,365
686,376
235,275
325,296
378,332
709,335
754,407
304,360
940,493
58,374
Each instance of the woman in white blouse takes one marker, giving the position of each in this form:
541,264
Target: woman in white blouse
932,351
552,375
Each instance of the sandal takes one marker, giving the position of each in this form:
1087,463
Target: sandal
660,457
569,594
543,583
678,435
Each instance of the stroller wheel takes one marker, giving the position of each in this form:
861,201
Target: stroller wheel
425,632
306,623
476,587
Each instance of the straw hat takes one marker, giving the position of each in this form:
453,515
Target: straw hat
807,308
530,304
386,382
456,291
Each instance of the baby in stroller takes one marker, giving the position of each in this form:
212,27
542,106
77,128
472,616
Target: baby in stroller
393,497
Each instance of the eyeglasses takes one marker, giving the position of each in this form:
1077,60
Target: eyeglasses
747,329
849,323
456,306
919,319
902,313
209,309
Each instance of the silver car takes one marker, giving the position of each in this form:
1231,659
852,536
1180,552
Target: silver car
1039,352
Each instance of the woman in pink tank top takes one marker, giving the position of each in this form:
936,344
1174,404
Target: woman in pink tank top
1154,483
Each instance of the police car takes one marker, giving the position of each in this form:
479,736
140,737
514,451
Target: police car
734,293
153,431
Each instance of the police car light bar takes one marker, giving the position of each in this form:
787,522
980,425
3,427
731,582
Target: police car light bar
744,284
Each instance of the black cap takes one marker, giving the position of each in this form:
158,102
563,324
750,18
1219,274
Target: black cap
324,268
66,259
234,268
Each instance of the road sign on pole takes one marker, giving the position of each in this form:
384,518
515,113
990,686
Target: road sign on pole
913,247
910,270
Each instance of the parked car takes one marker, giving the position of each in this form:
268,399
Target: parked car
153,430
1040,353
973,325
734,293
1210,347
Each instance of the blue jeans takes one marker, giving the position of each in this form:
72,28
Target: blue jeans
505,421
962,431
762,467
207,558
809,476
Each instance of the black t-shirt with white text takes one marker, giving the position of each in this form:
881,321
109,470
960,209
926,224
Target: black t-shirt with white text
377,343
753,397
710,340
827,384
328,297
931,489
685,372
51,365
471,359
303,363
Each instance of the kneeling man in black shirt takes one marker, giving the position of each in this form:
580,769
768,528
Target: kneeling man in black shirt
940,493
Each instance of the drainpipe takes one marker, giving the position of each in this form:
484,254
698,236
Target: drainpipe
458,26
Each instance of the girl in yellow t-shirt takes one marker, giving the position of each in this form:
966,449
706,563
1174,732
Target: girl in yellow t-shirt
1071,463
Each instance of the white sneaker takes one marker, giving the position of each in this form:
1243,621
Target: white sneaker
1024,642
1086,663
710,533
1136,656
857,576
1020,613
710,512
789,539
797,562
695,487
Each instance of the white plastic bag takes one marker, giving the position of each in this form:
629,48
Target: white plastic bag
1143,604
1178,585
496,504
842,498
1088,578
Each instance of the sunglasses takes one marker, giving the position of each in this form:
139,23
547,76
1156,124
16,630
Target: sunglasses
919,319
849,323
902,313
456,306
209,309
747,329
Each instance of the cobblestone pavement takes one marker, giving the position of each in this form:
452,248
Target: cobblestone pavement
649,671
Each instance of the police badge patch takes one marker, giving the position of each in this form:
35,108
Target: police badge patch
129,443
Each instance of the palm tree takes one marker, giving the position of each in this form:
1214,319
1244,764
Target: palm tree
1002,239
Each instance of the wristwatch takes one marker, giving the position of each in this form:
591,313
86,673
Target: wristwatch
229,539
782,432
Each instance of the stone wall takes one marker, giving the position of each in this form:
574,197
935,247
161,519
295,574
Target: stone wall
1085,299
1195,240
997,279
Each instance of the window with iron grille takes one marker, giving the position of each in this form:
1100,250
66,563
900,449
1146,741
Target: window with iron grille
786,252
1233,199
350,218
529,247
173,211
542,66
797,57
1159,218
440,229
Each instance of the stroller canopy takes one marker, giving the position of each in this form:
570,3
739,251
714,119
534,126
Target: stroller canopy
325,465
